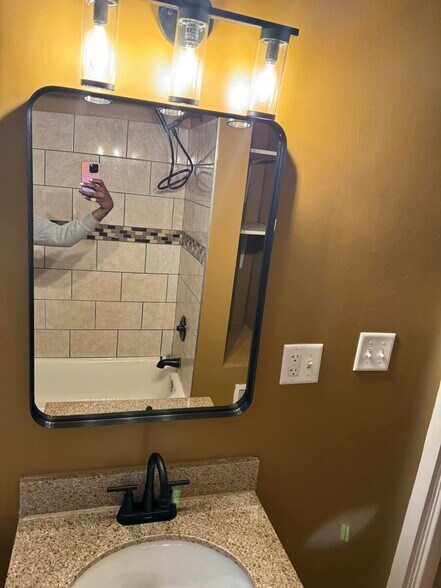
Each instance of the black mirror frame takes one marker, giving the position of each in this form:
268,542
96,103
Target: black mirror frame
53,422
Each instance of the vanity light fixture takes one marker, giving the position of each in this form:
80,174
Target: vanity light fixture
188,55
237,123
174,112
100,19
191,34
97,100
268,71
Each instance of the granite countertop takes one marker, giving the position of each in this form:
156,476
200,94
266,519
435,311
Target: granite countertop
52,549
111,406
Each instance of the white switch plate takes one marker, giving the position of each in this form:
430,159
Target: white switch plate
374,352
301,363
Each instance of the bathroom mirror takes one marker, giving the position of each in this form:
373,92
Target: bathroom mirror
151,307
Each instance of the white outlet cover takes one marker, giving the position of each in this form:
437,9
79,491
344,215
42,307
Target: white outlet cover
374,352
309,366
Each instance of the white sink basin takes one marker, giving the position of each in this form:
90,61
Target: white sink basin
164,564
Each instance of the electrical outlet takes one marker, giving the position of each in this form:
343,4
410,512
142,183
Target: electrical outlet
301,363
294,364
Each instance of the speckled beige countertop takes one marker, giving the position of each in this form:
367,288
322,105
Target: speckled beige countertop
51,550
108,406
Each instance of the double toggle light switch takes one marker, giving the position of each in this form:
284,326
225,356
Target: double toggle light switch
374,352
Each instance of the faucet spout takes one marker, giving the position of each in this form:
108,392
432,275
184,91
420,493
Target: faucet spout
174,362
155,461
149,510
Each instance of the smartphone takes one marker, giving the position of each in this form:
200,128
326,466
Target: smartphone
90,170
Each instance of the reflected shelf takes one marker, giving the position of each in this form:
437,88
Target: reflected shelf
262,156
253,229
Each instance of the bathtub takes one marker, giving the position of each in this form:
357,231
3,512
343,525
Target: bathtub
77,379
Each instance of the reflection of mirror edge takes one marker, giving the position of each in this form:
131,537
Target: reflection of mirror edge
71,421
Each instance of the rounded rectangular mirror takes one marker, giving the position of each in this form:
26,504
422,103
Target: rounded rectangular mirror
150,234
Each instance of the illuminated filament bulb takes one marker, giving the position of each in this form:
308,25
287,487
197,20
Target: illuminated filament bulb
268,72
188,55
99,34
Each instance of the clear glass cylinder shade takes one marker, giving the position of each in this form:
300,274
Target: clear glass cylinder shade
100,19
188,60
267,77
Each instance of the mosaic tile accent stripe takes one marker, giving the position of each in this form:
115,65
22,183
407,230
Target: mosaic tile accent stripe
147,235
134,234
193,247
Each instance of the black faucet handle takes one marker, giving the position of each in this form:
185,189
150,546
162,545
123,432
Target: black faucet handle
127,489
128,504
171,485
165,502
179,483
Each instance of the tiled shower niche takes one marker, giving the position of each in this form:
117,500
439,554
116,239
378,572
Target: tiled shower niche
121,291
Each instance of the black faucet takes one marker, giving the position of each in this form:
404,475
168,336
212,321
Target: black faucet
149,510
170,361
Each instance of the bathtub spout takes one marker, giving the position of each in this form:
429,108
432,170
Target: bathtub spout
174,362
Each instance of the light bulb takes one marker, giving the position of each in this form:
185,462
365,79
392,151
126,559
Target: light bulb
187,71
99,36
188,55
98,57
268,71
265,84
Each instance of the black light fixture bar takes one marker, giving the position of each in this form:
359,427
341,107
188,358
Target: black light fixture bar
228,15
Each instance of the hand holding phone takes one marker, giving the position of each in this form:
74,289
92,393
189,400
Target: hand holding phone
95,191
89,171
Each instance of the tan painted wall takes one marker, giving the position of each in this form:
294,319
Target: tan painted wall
211,377
357,249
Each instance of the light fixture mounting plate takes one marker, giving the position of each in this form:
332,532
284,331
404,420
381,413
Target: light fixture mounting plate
167,17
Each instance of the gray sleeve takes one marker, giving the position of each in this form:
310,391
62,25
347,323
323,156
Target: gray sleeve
49,233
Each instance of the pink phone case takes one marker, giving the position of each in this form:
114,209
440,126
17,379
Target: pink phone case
87,175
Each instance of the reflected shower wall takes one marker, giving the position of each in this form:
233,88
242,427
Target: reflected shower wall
120,292
202,140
